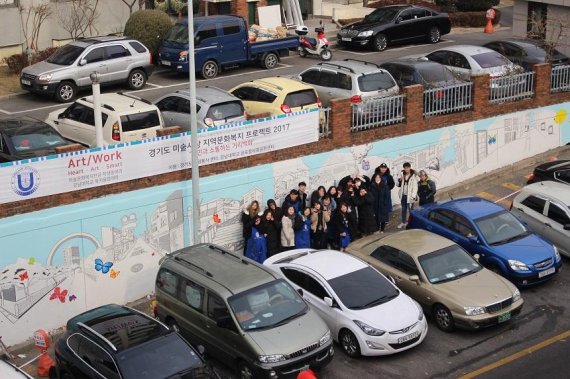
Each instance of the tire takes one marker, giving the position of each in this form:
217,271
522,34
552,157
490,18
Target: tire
65,92
434,35
349,343
245,371
269,61
443,318
326,55
172,324
210,69
379,42
137,79
302,53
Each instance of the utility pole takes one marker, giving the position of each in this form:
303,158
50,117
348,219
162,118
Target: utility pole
95,81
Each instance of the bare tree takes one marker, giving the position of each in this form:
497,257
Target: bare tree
79,17
131,4
552,33
32,19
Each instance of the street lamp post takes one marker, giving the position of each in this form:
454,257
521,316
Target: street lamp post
95,80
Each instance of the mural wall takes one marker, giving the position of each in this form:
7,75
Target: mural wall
59,262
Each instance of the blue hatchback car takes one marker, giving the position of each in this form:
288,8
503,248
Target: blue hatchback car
503,243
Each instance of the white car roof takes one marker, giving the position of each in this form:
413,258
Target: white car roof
558,191
8,371
329,264
468,49
122,103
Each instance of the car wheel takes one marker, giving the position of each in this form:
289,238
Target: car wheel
65,92
245,371
269,61
349,343
434,35
380,42
326,55
443,318
137,79
302,53
173,325
210,70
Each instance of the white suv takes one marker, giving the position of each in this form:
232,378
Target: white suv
125,118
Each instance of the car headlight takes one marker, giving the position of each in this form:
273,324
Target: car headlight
326,338
516,295
517,265
368,329
557,254
421,314
367,33
271,358
45,77
474,311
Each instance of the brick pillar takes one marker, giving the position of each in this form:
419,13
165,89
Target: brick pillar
480,95
542,72
414,107
340,121
69,148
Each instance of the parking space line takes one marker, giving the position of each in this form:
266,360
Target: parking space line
5,112
517,355
511,186
509,195
153,85
39,108
486,195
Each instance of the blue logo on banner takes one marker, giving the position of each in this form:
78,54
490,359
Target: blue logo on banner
25,181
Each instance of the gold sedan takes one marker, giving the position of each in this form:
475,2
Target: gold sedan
448,283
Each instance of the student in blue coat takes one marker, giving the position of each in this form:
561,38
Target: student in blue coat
256,247
303,229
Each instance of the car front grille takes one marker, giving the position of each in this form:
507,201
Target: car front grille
348,33
497,307
404,330
303,351
404,344
543,263
28,76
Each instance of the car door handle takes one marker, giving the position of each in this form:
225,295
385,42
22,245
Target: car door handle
547,225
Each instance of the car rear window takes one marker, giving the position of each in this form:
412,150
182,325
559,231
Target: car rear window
301,98
490,59
139,48
65,55
139,121
223,111
375,82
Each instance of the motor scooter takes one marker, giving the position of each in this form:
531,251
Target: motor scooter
310,46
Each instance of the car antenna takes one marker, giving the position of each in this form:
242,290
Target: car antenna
133,104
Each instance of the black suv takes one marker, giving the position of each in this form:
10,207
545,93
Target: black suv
114,342
556,171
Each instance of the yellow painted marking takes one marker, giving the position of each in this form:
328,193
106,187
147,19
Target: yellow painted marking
515,356
486,195
511,186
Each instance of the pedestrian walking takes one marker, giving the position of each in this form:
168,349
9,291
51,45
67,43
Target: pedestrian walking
366,216
426,189
381,193
408,184
388,179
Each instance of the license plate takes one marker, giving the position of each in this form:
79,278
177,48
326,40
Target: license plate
166,63
347,39
410,336
26,82
544,273
504,317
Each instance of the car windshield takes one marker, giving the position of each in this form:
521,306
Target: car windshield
364,288
375,82
178,34
65,55
33,136
267,306
447,264
490,59
301,98
382,15
161,357
501,228
435,74
224,111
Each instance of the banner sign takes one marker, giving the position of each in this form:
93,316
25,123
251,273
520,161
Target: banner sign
79,170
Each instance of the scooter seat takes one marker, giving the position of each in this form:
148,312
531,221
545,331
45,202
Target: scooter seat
312,41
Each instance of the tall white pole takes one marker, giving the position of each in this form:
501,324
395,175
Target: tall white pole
193,129
97,108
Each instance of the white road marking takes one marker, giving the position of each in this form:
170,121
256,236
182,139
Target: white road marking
153,85
36,109
3,111
506,197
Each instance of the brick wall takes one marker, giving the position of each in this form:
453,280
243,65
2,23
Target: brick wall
341,136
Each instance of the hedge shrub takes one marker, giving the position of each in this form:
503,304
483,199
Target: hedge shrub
149,26
423,3
17,62
475,5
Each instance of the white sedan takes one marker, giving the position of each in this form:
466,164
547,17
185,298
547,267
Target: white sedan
366,313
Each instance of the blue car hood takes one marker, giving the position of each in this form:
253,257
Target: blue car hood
529,250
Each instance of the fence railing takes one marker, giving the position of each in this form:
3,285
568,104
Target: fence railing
560,79
511,87
324,123
448,99
377,111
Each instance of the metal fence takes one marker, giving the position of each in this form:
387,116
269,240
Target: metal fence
377,111
448,99
560,78
511,87
324,129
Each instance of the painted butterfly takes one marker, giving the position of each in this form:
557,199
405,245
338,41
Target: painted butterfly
103,267
58,294
24,276
114,274
72,297
31,261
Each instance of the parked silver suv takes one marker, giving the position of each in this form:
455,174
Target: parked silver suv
116,59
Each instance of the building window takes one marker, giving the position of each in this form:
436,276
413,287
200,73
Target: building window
8,3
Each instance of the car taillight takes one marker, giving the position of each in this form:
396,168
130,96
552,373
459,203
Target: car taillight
356,99
150,59
285,108
440,93
154,308
531,177
116,134
319,103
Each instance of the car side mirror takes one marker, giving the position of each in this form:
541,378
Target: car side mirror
60,116
329,301
399,19
201,349
474,240
83,62
392,279
300,291
567,227
477,257
415,278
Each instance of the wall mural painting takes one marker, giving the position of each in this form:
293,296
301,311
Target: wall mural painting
58,262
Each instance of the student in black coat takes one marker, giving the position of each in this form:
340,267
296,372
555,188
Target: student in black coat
366,216
272,232
381,192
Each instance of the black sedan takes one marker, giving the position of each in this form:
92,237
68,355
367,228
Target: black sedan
556,171
395,24
25,137
527,53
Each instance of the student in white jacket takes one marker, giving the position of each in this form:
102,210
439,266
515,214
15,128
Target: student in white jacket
408,183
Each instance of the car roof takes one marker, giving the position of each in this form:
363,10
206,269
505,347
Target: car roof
15,122
278,83
209,95
10,371
473,207
469,50
99,39
118,326
122,103
351,65
554,165
558,191
415,63
205,19
329,264
415,242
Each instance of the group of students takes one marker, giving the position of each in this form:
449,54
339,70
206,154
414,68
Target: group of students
333,218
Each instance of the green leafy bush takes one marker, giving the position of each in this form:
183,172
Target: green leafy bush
475,5
149,26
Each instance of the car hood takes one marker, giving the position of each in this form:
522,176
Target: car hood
43,67
529,250
479,289
395,314
364,25
293,336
